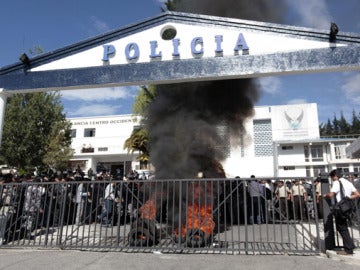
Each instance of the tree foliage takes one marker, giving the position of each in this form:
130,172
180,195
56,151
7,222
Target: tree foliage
138,140
36,133
145,96
341,126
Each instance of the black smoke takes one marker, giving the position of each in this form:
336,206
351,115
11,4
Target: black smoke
258,10
190,124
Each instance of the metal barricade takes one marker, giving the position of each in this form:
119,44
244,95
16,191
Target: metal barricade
174,216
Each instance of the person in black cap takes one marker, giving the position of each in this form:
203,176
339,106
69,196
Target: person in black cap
341,223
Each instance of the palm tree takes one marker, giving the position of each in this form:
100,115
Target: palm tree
139,140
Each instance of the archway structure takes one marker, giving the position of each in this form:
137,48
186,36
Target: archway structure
181,47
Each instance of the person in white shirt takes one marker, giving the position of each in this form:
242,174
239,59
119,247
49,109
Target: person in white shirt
341,224
107,214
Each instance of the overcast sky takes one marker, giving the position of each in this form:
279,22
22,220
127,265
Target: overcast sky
53,24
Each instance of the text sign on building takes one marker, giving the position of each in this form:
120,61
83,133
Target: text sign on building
189,42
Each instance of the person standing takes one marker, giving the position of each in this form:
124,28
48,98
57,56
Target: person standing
298,193
82,195
33,208
319,201
341,223
283,195
357,200
254,189
107,214
90,174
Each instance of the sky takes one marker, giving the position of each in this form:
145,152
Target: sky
53,24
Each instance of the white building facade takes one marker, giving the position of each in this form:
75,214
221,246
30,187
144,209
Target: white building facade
280,141
98,143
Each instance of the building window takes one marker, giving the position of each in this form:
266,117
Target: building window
242,145
340,151
357,168
89,132
102,149
223,143
263,138
306,153
73,133
287,147
289,168
317,153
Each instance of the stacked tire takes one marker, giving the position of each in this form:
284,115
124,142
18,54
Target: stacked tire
143,233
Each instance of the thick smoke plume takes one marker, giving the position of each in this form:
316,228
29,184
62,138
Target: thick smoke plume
258,10
190,123
187,124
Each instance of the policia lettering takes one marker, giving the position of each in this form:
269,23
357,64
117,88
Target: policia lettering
132,50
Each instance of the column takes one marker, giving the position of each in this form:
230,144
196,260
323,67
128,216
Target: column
3,97
328,222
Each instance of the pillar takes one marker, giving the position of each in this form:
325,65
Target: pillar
329,232
3,98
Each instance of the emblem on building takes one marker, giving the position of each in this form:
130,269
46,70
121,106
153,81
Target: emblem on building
294,117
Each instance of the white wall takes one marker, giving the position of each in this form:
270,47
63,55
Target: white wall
110,131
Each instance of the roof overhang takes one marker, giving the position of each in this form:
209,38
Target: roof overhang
204,48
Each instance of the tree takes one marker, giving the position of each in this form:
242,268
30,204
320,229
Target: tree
344,127
325,129
355,123
145,96
58,151
138,140
34,130
335,125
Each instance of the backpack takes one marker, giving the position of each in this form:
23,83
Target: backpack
345,208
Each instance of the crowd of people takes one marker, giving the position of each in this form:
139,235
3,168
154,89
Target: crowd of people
284,200
31,202
75,198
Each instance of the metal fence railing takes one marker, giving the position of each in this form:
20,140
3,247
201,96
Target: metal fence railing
202,215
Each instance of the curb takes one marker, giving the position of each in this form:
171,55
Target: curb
353,259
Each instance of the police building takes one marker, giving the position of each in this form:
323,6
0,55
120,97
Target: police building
202,124
280,141
175,48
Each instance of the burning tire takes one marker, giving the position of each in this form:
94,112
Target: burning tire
178,239
197,238
143,234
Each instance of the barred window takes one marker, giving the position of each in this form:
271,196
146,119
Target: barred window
340,151
224,144
263,138
89,132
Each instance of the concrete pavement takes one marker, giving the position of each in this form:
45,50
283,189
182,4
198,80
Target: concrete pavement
36,259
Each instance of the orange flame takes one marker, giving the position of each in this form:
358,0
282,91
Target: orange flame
147,211
198,217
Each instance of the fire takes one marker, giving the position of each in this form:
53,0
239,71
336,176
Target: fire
148,210
198,217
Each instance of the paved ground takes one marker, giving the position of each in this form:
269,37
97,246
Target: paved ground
36,259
